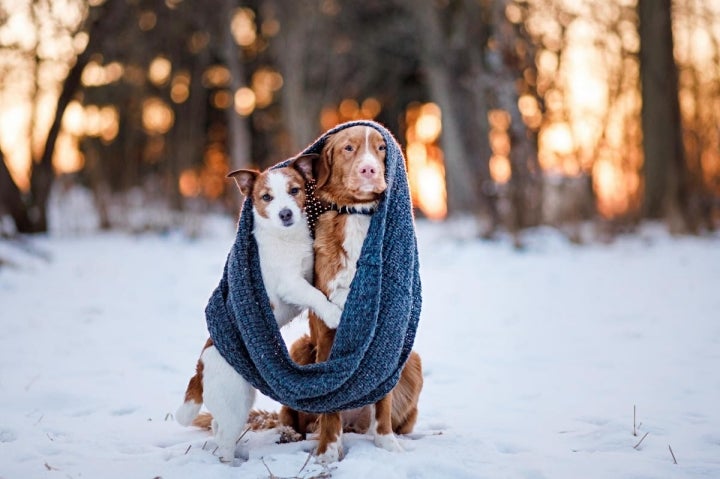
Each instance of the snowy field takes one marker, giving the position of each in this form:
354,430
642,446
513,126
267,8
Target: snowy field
533,360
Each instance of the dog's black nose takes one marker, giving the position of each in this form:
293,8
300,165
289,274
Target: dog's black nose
286,216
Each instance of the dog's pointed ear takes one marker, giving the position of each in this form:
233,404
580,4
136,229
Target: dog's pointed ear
245,179
305,164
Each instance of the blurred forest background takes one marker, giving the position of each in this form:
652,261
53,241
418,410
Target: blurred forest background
517,112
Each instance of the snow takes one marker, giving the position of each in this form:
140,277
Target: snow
533,360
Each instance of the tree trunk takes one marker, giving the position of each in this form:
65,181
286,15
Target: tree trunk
42,174
238,131
449,70
302,103
664,168
525,194
11,199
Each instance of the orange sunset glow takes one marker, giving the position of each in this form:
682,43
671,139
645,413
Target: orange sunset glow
584,104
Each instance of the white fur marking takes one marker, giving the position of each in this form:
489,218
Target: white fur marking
277,182
333,453
384,441
356,228
388,442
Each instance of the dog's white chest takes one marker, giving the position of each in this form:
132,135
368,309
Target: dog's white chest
356,228
285,265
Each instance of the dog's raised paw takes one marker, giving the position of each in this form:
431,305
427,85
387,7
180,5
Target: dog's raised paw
331,316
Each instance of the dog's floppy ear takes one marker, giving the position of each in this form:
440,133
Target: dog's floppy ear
304,164
324,163
245,180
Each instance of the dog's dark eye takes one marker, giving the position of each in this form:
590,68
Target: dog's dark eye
294,191
266,197
382,147
348,148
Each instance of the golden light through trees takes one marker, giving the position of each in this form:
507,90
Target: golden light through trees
426,171
157,116
553,91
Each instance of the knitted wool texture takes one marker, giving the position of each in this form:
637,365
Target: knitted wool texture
377,327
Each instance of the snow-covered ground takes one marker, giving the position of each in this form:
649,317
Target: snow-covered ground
533,360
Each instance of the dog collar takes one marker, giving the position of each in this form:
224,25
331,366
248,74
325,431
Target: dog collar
351,210
314,207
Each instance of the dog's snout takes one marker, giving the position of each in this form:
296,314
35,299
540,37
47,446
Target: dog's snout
286,216
367,170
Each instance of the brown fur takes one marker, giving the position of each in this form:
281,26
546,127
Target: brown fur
340,182
194,391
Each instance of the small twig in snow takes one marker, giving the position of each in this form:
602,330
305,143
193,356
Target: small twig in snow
204,444
169,416
50,468
306,462
672,454
243,434
641,440
634,428
32,381
187,450
272,476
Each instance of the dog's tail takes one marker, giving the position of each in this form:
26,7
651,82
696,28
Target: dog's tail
189,410
187,413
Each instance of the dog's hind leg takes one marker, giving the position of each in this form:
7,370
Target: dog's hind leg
229,397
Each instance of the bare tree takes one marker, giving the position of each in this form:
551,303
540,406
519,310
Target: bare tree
665,171
450,50
34,217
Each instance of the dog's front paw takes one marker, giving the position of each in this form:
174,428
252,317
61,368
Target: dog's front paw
333,453
388,442
331,316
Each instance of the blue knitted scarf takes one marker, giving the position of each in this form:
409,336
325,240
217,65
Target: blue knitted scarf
378,324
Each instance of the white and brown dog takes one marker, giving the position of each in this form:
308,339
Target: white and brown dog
285,248
350,176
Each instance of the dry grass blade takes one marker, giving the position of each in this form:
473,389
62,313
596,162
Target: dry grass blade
187,450
306,462
272,476
672,454
243,434
326,472
634,417
641,440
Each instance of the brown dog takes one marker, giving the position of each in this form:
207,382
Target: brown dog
350,178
